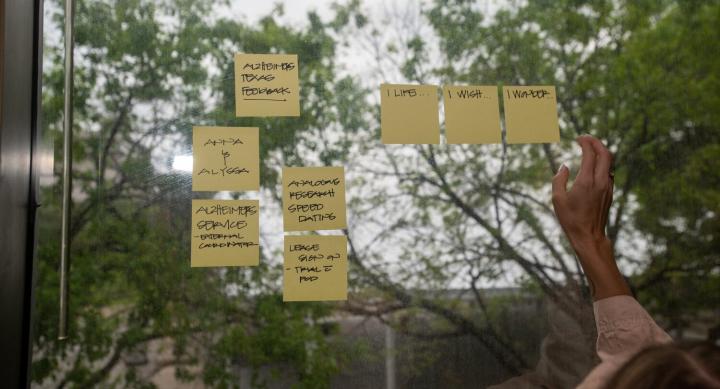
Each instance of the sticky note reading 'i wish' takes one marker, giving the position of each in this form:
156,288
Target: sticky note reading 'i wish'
315,268
225,233
313,198
226,158
409,114
531,114
267,85
472,114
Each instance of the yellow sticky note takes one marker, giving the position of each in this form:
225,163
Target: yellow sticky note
472,114
226,158
313,198
225,233
315,268
267,85
531,114
409,114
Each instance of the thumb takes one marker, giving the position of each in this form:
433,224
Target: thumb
559,183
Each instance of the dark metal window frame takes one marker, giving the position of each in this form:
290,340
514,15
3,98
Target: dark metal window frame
20,94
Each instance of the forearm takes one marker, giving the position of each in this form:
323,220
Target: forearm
598,262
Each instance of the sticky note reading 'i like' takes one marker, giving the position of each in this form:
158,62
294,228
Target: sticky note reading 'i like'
266,85
315,268
313,198
472,114
226,158
531,114
225,233
409,114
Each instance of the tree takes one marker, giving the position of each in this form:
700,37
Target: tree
146,73
431,227
468,216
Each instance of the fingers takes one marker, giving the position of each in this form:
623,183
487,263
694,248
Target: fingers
603,162
585,175
559,184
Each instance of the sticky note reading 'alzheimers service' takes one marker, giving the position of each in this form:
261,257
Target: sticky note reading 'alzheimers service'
267,85
226,158
225,233
313,198
409,114
472,114
315,268
531,114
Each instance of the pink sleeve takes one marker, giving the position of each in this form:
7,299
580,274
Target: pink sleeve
624,328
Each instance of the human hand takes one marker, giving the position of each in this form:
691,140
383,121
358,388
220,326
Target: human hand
583,214
583,210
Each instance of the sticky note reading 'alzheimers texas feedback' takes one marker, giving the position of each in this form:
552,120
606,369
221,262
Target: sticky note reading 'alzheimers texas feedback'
472,114
226,158
225,233
409,114
315,268
313,198
266,85
531,114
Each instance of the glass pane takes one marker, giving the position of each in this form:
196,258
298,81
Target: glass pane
460,275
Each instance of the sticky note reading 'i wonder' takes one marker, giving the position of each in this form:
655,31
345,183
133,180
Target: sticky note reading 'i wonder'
315,268
531,114
409,114
313,198
267,85
225,233
226,158
472,114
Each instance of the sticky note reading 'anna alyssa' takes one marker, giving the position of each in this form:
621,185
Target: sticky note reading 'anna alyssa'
409,114
313,198
267,85
531,114
472,114
315,268
225,233
226,158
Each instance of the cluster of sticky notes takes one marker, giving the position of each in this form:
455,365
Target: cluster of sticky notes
267,85
315,265
225,233
315,268
409,114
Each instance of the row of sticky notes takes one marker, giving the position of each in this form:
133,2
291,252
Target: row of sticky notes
409,114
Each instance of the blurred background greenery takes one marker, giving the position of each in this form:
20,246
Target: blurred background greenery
446,242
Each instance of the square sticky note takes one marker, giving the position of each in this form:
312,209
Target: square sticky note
226,158
267,85
315,268
409,114
531,114
313,198
472,114
225,233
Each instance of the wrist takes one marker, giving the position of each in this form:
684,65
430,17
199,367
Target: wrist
598,262
592,246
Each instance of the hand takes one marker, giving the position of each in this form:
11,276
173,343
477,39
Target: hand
583,213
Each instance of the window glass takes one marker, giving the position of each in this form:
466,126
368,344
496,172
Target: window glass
459,273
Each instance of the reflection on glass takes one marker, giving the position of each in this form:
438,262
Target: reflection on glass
456,259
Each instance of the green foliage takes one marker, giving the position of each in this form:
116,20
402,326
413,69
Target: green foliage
641,75
144,76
